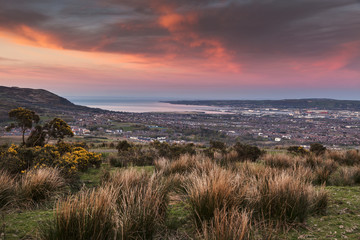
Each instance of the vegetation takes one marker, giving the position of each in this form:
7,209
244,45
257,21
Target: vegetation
176,191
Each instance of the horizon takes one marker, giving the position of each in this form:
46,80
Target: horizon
208,49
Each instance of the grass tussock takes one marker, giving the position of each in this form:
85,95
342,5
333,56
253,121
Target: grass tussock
8,194
87,215
227,225
130,205
283,198
40,185
282,161
184,164
207,192
349,158
141,209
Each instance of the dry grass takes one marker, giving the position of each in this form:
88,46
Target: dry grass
349,158
282,161
87,215
227,225
39,185
8,194
283,198
130,205
184,164
141,209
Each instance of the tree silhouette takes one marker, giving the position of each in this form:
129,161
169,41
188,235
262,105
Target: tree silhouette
56,129
24,120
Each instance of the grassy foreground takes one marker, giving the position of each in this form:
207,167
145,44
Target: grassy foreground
342,220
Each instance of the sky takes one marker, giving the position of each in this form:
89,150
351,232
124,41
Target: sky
184,49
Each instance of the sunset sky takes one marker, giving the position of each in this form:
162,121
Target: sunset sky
191,49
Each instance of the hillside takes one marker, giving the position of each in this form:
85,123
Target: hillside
39,100
317,103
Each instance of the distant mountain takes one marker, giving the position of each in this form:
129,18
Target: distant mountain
314,103
38,100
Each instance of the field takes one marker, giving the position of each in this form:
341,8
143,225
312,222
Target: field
194,196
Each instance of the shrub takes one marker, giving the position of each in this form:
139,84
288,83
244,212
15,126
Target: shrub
297,150
88,215
173,151
247,152
40,185
79,159
123,146
317,148
227,225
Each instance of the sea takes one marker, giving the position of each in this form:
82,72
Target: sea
142,105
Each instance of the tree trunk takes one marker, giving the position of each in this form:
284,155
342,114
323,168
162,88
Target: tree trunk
23,136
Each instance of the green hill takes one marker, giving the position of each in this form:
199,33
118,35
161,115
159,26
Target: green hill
38,100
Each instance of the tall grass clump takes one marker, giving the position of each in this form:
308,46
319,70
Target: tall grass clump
345,176
88,215
319,200
283,198
227,225
7,189
282,161
142,208
216,189
323,171
349,158
40,185
184,164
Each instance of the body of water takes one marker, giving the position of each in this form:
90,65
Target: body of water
142,106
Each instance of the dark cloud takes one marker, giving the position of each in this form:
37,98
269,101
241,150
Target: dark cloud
246,29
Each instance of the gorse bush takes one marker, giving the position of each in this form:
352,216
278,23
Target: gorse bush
69,160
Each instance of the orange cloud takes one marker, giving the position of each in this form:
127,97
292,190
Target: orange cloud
340,57
26,35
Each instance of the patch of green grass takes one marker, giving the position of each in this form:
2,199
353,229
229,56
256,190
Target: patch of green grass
342,220
177,215
91,178
24,225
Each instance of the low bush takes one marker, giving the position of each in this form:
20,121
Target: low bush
247,152
317,148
